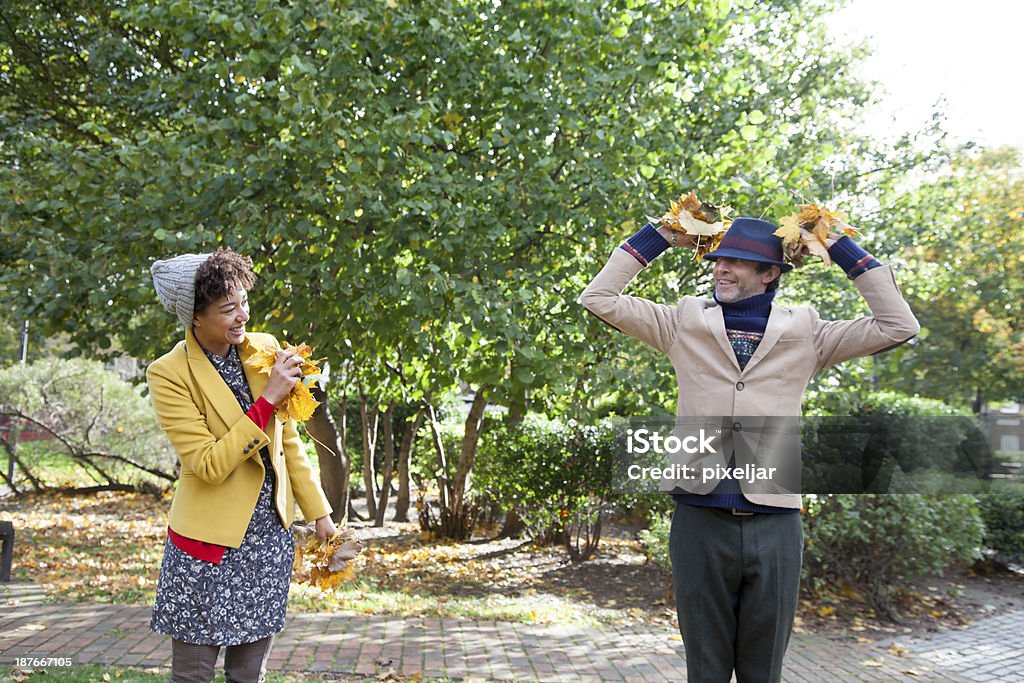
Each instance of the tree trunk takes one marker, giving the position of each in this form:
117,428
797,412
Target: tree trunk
404,455
513,527
369,454
335,466
474,423
443,485
387,466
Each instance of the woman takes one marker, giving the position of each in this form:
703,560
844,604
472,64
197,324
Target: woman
228,558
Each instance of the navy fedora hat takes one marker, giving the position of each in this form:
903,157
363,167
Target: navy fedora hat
751,239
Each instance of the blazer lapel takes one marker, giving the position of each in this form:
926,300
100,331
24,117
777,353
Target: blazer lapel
715,320
776,326
211,383
257,380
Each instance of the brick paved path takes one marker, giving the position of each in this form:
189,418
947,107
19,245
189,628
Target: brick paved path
359,644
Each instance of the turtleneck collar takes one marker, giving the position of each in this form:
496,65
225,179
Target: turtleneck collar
757,306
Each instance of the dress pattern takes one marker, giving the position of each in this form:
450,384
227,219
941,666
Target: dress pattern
243,599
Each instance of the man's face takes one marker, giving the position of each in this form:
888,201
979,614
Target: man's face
736,279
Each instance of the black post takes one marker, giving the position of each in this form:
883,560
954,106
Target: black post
16,430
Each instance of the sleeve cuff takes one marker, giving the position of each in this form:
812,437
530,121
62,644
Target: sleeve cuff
646,244
260,412
851,257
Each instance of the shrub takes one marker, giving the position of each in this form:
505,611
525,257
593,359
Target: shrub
1003,515
557,475
943,448
94,421
878,544
655,540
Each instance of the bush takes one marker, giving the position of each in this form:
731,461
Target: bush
944,449
557,475
655,540
1003,515
879,544
94,423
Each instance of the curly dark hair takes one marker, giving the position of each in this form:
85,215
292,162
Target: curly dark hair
220,275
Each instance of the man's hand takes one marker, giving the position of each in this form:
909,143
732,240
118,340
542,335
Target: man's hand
666,233
829,241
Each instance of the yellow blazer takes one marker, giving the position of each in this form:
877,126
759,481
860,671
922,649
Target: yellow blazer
218,445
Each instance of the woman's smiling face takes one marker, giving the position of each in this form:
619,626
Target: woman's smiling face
222,324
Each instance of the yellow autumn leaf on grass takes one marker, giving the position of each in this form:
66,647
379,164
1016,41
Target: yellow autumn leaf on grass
300,404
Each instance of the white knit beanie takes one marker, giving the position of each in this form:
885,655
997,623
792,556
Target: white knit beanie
175,282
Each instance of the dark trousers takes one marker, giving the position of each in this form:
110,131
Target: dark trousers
736,583
245,663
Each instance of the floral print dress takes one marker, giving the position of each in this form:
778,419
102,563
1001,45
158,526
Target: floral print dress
242,599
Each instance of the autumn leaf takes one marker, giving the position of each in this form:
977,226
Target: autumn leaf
324,564
816,247
263,358
701,224
789,230
299,404
807,232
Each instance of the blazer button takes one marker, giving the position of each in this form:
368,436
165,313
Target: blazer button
245,450
736,426
739,386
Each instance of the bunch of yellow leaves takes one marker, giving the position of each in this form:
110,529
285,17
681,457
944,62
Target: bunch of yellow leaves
324,564
702,225
807,231
300,404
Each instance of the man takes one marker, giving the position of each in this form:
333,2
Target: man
736,553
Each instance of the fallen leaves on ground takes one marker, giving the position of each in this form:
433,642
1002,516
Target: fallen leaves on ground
105,547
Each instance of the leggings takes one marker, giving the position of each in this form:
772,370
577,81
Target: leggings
246,663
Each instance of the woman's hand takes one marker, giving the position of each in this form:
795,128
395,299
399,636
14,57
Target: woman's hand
286,372
325,529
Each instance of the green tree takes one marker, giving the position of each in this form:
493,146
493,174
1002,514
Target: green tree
425,188
963,236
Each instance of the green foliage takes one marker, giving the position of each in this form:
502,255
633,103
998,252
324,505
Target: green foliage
889,442
1003,515
655,540
851,402
961,233
552,472
97,421
879,544
427,183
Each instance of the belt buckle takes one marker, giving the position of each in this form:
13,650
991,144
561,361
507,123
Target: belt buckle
741,513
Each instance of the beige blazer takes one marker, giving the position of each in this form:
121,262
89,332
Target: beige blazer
797,343
219,446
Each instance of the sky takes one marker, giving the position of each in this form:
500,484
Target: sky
968,53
